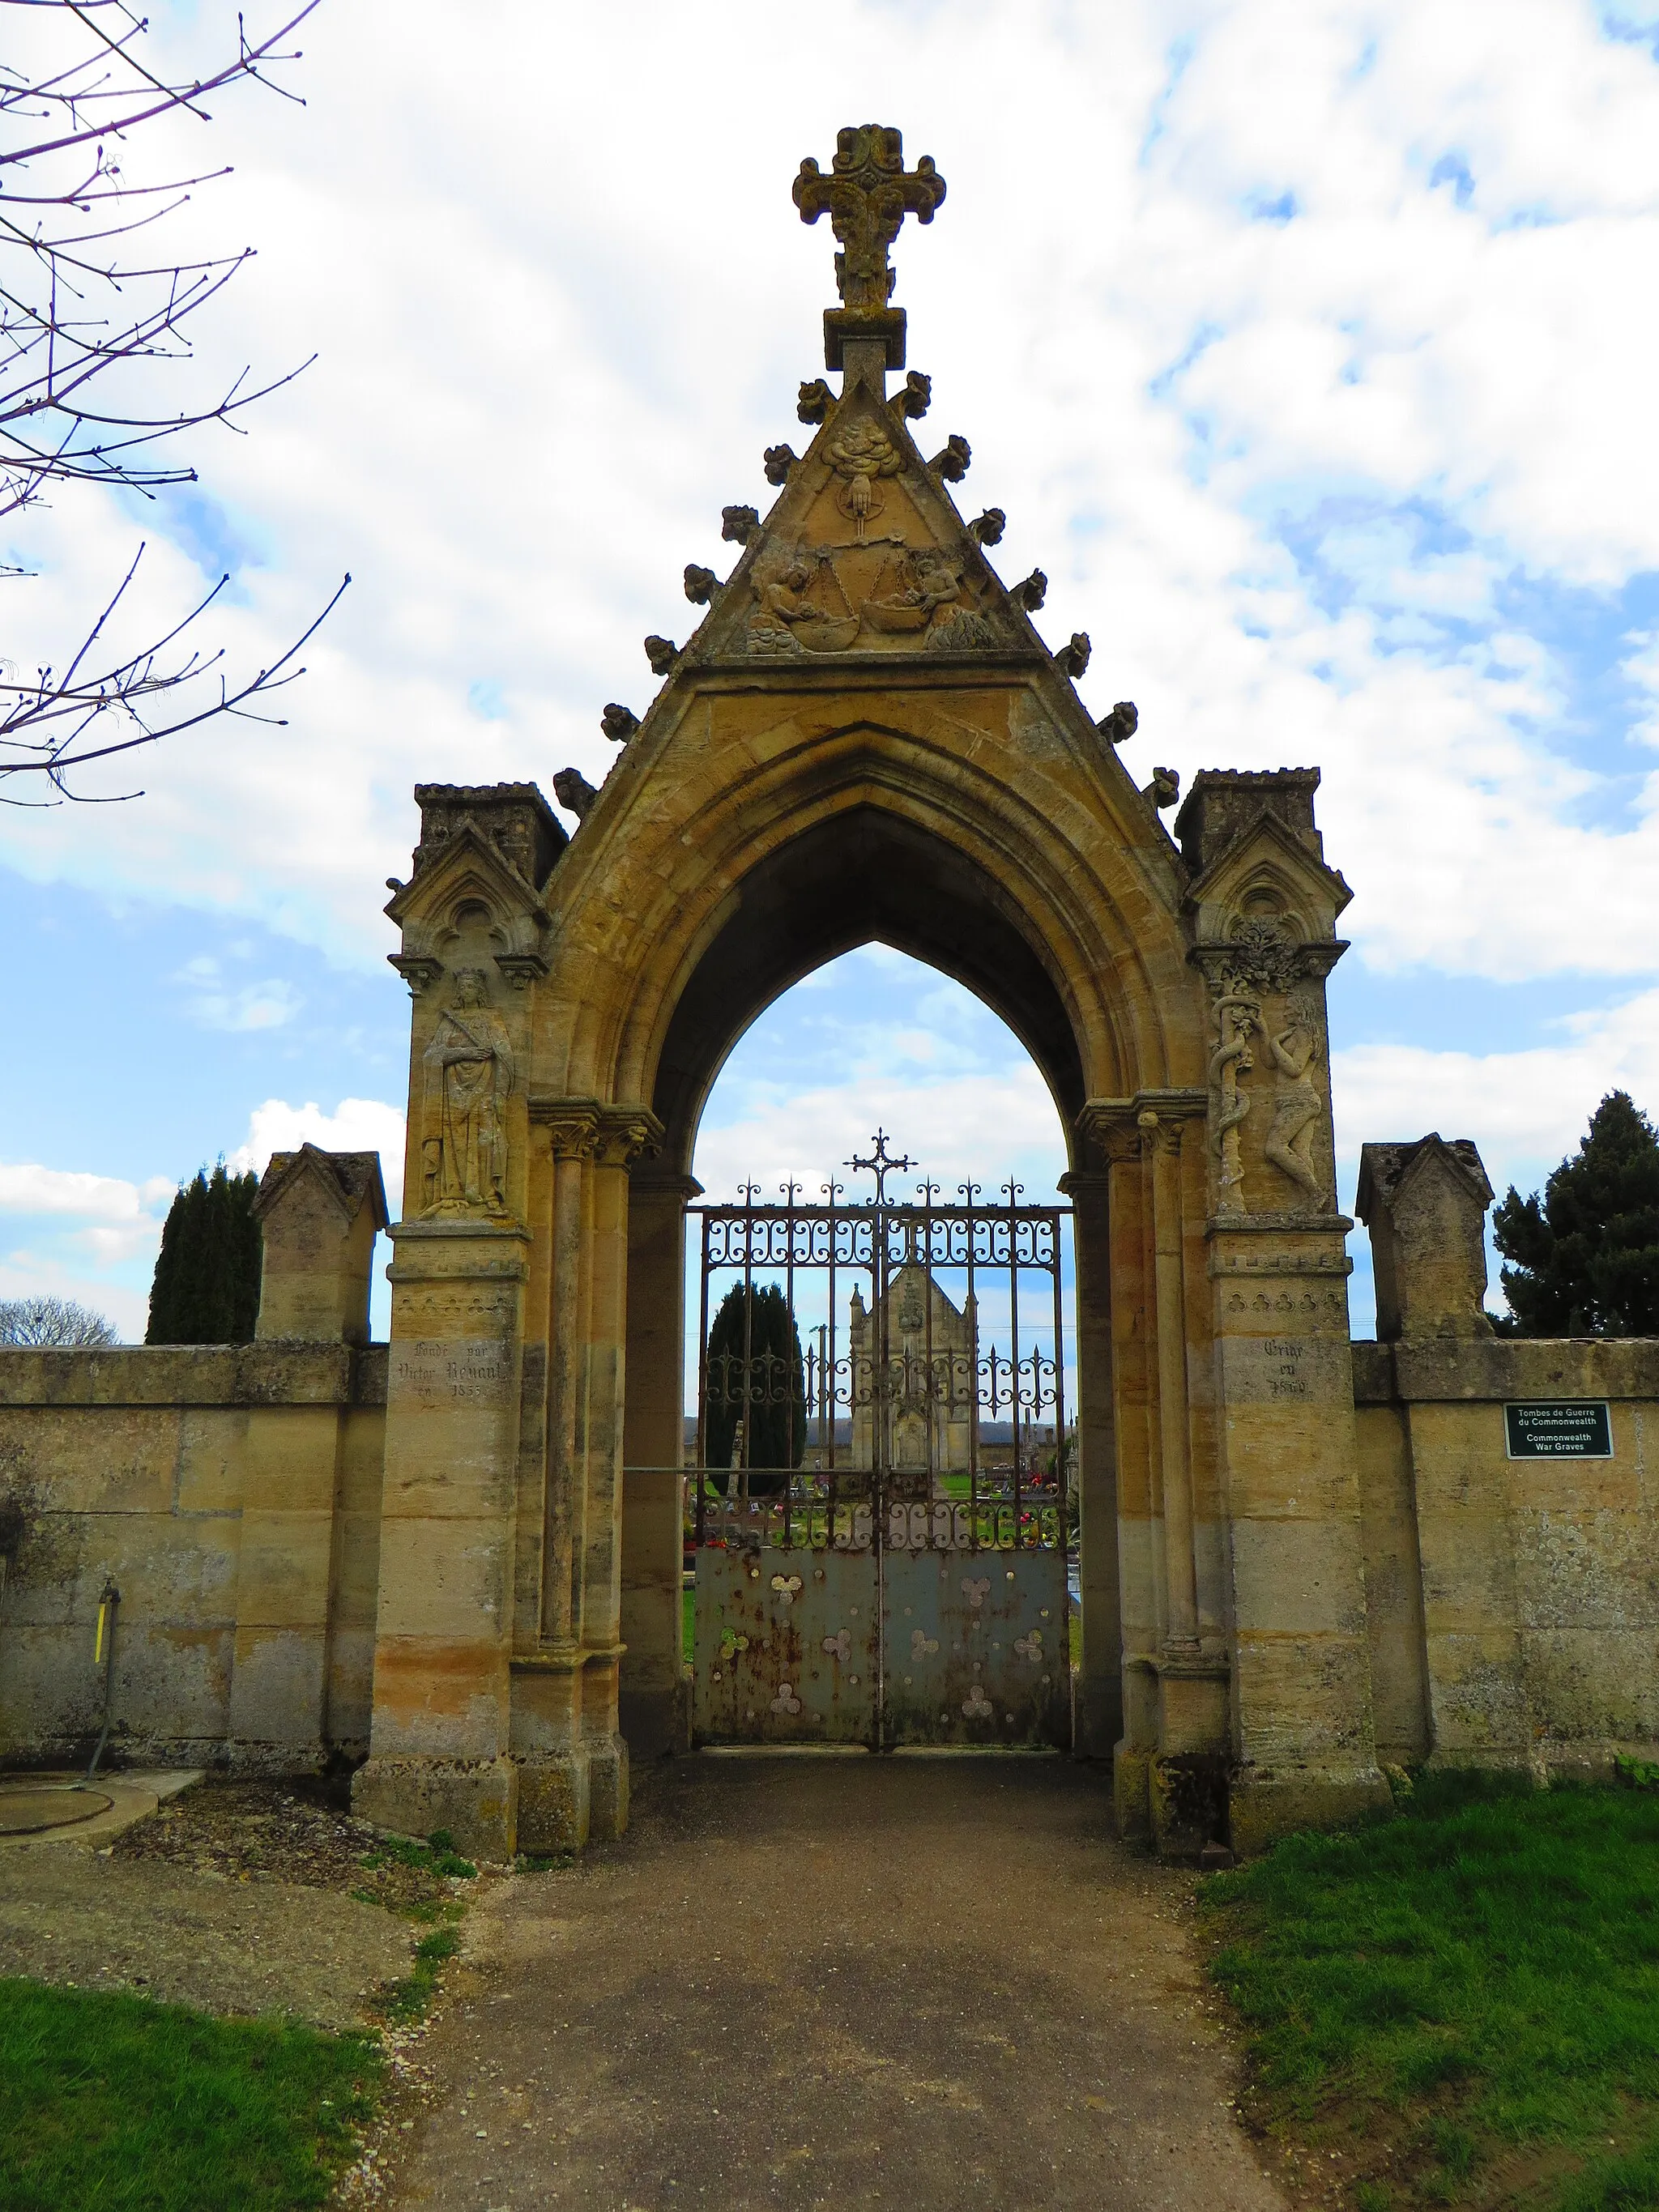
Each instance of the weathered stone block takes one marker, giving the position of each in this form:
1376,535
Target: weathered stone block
476,1800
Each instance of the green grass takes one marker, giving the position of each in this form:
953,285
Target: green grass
689,1625
437,1855
1462,2002
111,2101
410,1999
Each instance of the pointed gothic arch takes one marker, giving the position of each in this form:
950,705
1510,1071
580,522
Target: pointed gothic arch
866,736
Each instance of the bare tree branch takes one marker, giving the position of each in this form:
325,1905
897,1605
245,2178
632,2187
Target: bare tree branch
83,330
45,727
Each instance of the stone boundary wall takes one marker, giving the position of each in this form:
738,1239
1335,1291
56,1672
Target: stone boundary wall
232,1493
1513,1604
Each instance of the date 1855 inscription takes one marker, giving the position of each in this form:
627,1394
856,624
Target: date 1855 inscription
475,1373
1286,1358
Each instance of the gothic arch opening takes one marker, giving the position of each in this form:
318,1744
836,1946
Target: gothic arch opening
866,876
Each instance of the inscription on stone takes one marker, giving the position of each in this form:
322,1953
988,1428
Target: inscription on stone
1559,1428
1287,1359
475,1372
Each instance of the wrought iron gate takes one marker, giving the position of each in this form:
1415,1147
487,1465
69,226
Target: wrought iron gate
904,1580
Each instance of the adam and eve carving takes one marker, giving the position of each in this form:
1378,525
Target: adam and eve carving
1292,1051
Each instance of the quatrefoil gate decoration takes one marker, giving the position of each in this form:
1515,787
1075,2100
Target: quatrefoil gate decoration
976,1592
839,1645
976,1706
731,1642
922,1646
1029,1647
786,1586
787,1702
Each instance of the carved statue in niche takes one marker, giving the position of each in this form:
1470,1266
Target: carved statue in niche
1237,1015
1297,1106
470,1072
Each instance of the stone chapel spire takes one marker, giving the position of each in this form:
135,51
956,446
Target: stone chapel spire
867,195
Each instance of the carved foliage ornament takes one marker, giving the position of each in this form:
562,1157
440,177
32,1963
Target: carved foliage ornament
1260,954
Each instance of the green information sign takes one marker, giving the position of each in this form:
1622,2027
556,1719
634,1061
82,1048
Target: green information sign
1559,1428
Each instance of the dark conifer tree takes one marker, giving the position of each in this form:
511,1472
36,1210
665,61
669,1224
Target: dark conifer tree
1586,1255
774,1403
206,1288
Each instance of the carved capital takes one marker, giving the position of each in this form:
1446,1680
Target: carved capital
1262,956
622,1133
521,968
1158,1133
1107,1126
418,972
572,1125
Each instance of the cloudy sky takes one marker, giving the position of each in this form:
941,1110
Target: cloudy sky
1309,349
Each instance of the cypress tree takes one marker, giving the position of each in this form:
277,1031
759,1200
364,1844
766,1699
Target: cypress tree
1586,1255
775,1408
206,1287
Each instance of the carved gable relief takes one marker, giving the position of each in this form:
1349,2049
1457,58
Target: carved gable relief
862,552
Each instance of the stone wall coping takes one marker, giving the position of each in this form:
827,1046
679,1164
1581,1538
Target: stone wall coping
273,1373
1495,1369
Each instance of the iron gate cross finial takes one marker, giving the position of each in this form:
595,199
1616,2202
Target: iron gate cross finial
880,1166
867,195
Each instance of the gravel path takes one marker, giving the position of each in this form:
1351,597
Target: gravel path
800,1983
184,1908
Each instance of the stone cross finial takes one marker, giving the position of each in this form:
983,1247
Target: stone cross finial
866,196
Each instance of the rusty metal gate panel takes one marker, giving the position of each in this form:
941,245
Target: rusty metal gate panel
975,1644
879,1519
785,1648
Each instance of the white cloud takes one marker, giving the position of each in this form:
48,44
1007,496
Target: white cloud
217,1004
25,1275
356,1125
971,1125
27,1189
1525,1110
517,478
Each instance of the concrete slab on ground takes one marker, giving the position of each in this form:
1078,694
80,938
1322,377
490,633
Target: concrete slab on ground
803,1983
64,1807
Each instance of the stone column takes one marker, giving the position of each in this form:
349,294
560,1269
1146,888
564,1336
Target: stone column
1304,1736
1185,1781
1098,1720
1161,1137
573,1760
440,1734
1108,1127
623,1133
553,1795
654,1708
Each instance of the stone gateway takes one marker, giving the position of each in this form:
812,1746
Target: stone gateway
462,1555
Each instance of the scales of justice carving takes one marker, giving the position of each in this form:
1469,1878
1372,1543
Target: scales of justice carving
469,1080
